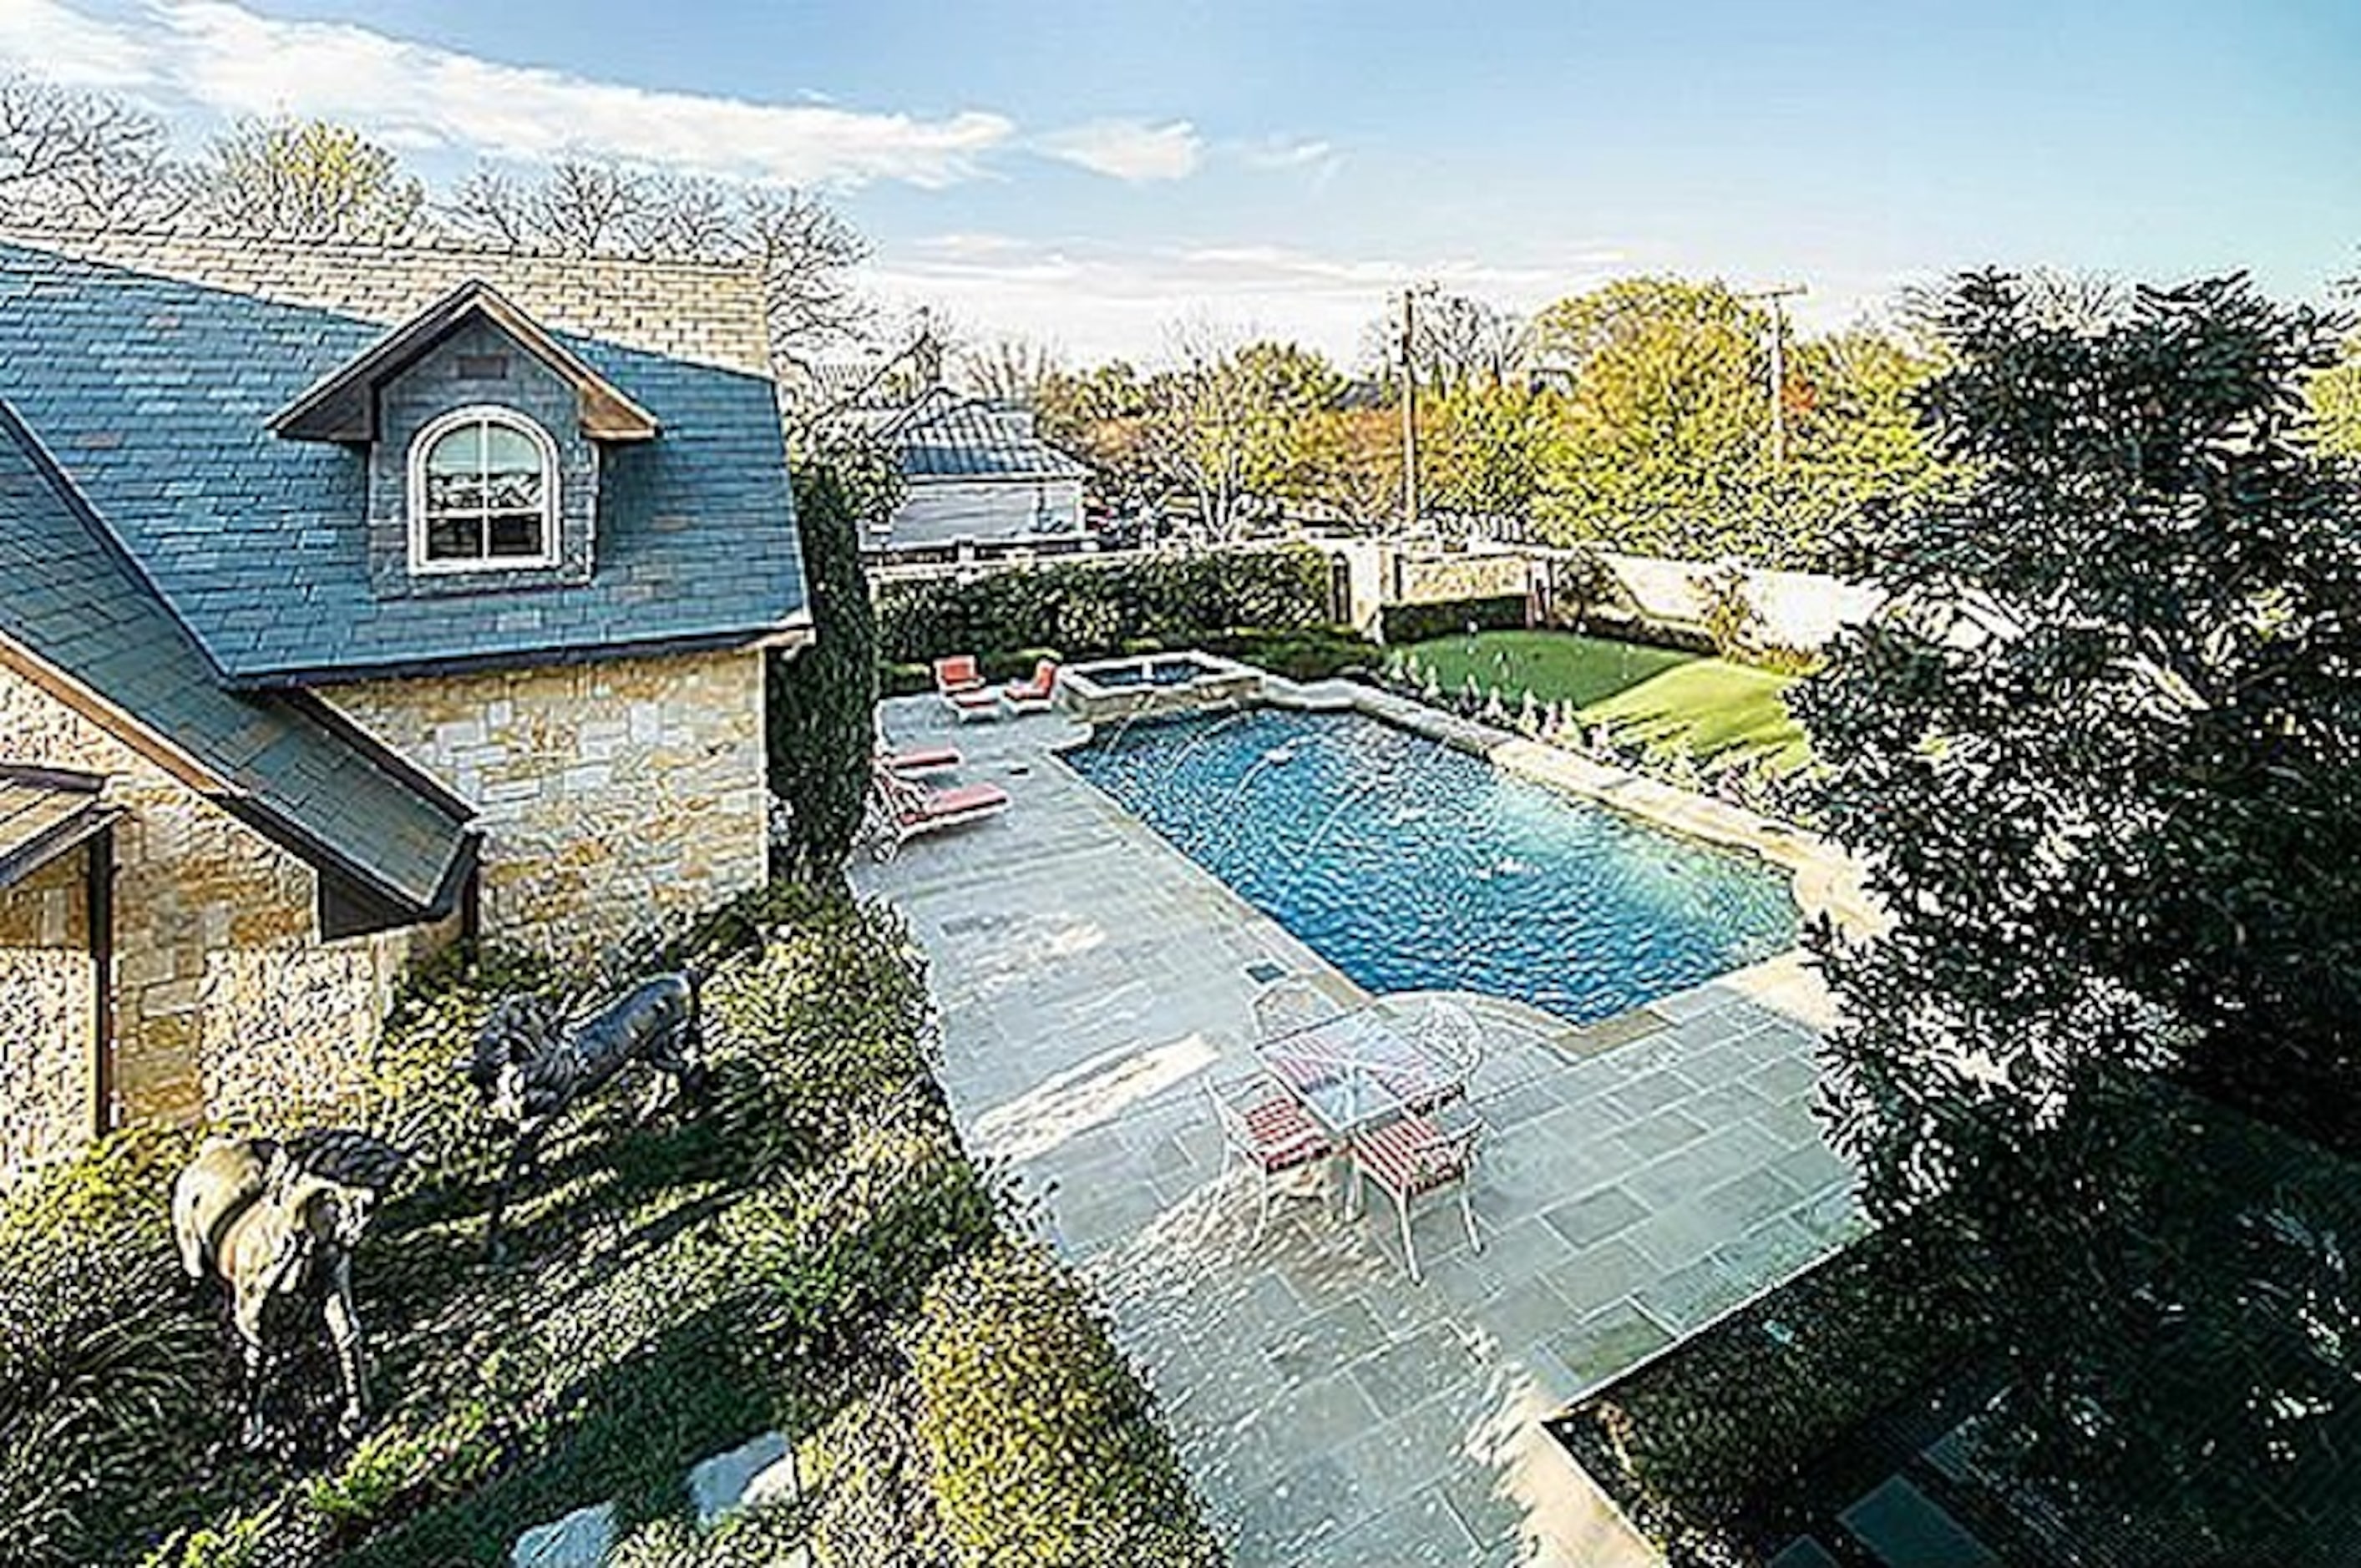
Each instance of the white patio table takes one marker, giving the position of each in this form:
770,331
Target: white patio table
1354,1072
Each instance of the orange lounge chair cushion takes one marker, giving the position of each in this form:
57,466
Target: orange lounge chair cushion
1044,681
919,759
957,673
963,801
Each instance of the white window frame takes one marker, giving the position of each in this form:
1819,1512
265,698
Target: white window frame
424,442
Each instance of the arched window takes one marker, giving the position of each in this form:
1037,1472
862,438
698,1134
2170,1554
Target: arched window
483,493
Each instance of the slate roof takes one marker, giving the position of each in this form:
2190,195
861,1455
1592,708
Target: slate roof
154,394
73,597
943,436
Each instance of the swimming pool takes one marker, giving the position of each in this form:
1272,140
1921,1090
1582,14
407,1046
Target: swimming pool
1412,866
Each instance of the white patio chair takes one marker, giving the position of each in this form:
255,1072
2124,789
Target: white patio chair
1263,1126
1447,1032
1417,1155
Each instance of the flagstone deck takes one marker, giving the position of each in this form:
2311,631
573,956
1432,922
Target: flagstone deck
1643,1177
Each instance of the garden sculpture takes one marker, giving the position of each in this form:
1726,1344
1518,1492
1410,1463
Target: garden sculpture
530,1065
275,1221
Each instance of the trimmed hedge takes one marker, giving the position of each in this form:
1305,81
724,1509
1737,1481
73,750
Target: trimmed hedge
1407,623
1091,609
1044,1449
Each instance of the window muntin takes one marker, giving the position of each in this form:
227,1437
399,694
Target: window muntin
483,493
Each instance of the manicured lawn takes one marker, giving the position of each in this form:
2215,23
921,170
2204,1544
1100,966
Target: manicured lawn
1709,706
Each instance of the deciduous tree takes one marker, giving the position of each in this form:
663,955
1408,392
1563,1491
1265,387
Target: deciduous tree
802,247
306,180
82,159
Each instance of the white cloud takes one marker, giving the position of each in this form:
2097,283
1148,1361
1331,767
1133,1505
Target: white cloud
1127,150
53,41
1099,302
1286,154
227,60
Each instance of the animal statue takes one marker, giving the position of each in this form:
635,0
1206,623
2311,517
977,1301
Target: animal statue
530,1065
276,1222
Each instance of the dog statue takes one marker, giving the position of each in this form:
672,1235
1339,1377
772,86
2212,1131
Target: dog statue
272,1221
530,1065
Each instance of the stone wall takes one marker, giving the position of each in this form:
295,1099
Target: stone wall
44,1014
610,793
228,1005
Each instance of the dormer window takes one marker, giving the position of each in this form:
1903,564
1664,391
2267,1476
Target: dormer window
483,493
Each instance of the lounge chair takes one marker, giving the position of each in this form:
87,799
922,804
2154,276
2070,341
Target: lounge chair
912,762
1263,1126
960,683
1033,695
1417,1155
902,809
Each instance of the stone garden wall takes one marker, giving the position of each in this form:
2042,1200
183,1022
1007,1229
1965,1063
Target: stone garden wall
44,1014
609,793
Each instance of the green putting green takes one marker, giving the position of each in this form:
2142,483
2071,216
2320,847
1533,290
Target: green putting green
1710,705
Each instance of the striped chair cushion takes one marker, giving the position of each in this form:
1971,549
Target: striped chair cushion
1283,1135
1411,1157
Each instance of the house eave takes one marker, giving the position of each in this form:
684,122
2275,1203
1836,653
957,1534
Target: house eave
341,406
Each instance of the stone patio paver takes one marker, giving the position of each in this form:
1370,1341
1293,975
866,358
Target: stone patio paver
1641,1177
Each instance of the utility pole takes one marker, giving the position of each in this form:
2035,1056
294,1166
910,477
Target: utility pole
1409,407
1778,298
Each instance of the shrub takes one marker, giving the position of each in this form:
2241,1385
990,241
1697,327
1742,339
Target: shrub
1044,1448
837,1255
866,1476
109,1384
1406,623
1318,654
1091,608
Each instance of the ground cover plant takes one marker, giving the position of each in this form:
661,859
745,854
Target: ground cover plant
1710,708
1711,1448
673,1287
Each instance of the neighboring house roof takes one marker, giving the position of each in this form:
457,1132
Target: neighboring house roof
943,436
342,407
151,368
81,619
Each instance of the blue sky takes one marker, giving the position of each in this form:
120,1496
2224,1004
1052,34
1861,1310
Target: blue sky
1089,172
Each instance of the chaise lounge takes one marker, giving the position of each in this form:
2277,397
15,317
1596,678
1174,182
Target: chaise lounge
961,684
902,809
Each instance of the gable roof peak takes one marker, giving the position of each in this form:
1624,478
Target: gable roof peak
342,406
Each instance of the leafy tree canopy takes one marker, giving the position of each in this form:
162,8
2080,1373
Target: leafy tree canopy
2097,754
306,179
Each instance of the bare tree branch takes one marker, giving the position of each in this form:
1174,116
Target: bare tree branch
82,159
803,248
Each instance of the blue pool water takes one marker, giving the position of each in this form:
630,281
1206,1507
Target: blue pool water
1412,866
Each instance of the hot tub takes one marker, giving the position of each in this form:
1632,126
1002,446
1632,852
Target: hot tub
1154,684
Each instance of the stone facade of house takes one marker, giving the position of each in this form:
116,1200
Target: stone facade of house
47,1079
611,795
602,718
226,1003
